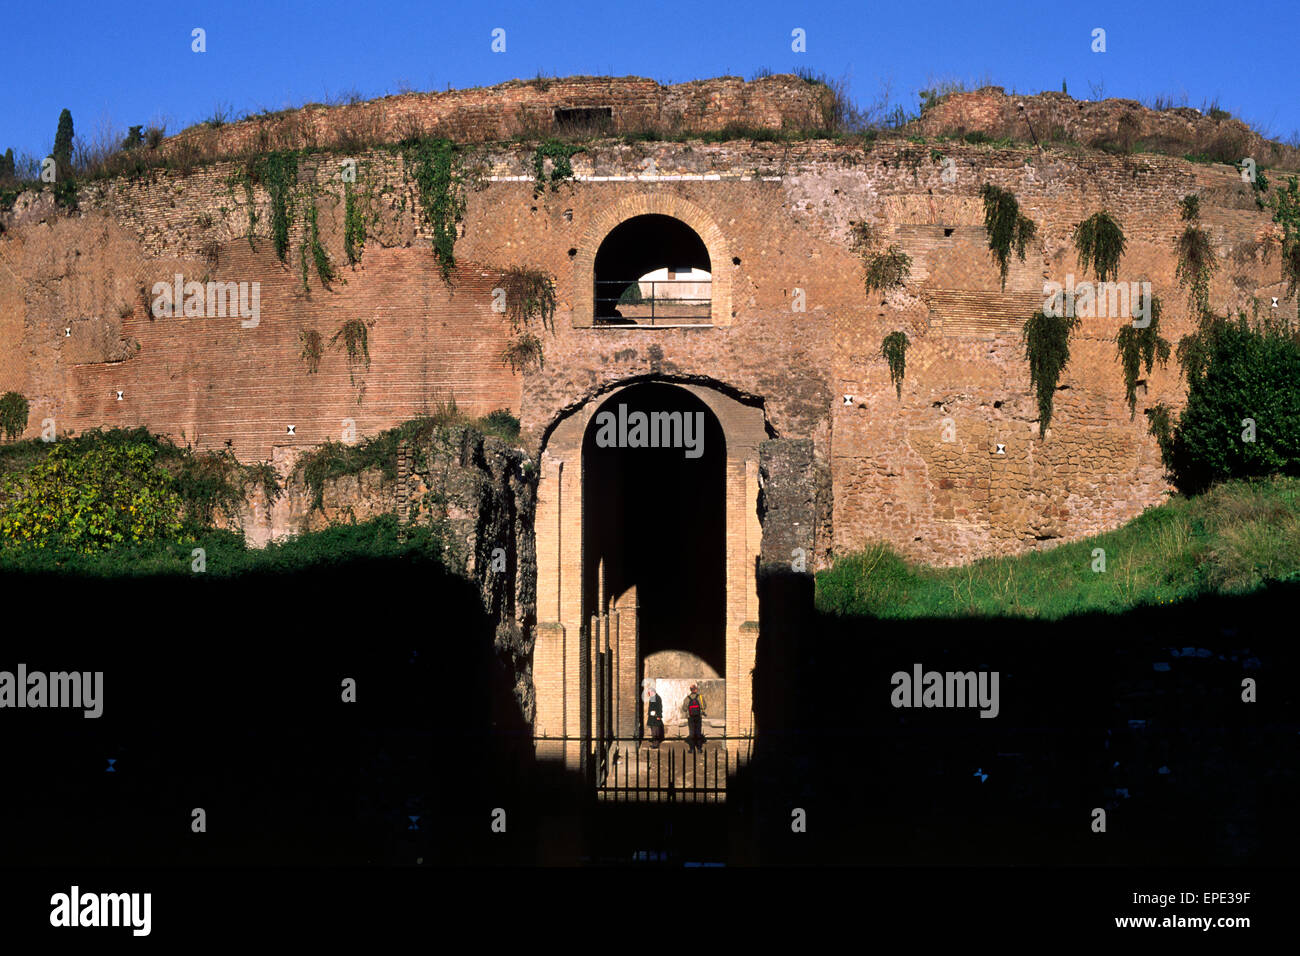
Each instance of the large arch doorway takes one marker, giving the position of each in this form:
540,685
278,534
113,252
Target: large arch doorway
646,562
654,539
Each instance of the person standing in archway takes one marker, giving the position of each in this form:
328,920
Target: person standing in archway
694,709
655,718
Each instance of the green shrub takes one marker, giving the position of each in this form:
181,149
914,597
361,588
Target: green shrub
888,269
89,500
1235,372
501,423
13,414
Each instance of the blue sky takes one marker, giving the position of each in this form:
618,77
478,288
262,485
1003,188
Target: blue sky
129,64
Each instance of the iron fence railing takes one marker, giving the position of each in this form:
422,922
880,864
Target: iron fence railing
632,769
630,302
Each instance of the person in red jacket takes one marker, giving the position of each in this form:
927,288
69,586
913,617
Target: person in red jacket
694,709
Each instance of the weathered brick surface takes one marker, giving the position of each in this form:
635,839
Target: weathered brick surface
1053,116
525,107
779,217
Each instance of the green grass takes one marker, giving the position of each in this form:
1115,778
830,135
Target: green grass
227,556
1233,539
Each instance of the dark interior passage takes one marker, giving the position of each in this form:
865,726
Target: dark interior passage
654,518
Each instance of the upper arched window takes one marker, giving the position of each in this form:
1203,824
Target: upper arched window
653,270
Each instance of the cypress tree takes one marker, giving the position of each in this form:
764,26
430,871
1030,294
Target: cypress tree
62,152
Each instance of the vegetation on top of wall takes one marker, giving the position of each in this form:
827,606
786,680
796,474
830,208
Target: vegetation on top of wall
13,414
440,186
1242,417
561,169
1235,539
1007,229
1047,347
894,351
1100,243
1138,347
333,460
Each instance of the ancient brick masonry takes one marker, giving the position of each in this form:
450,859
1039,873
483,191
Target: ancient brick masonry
923,472
528,107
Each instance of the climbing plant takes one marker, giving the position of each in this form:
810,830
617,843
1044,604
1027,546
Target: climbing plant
1140,347
13,414
278,172
1047,347
1286,212
324,268
561,169
1100,243
1007,229
887,269
1189,208
353,334
523,351
894,351
354,226
530,296
313,347
1196,265
440,186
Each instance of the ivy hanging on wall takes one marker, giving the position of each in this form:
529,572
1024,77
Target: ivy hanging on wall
561,169
1196,263
1100,243
1007,229
354,227
324,268
1047,347
441,189
894,351
529,298
353,334
1286,213
313,347
278,172
1140,347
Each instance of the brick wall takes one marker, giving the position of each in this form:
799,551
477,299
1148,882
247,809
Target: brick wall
779,216
524,107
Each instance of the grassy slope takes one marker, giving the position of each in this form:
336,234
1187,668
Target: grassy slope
1232,539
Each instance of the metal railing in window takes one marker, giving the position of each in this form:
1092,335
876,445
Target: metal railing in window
655,302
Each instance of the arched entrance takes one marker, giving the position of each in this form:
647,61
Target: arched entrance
647,543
